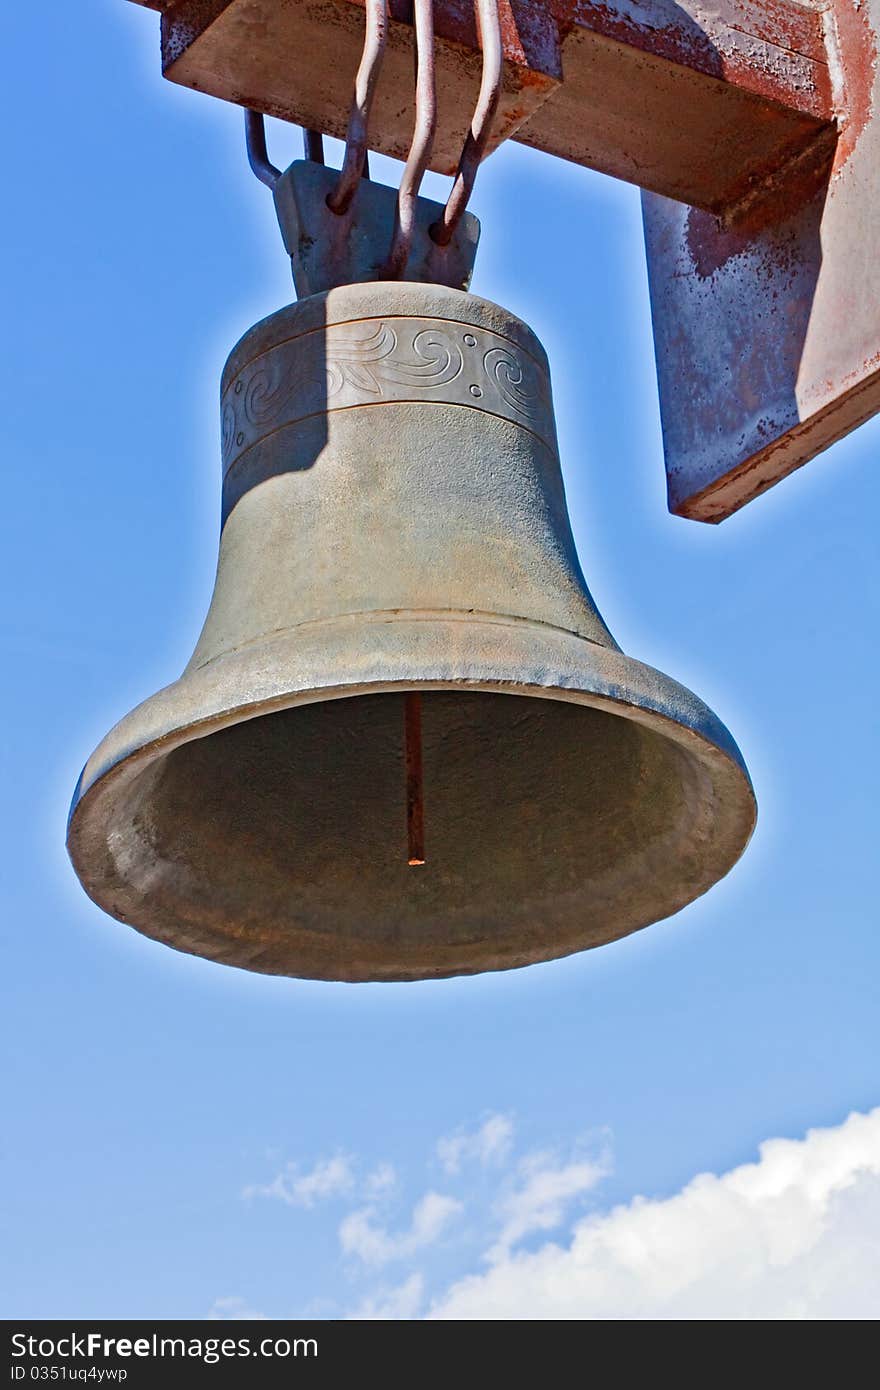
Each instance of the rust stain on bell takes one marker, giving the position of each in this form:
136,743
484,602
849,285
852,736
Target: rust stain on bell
402,663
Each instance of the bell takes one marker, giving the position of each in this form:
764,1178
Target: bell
406,745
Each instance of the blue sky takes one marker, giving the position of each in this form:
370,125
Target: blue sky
181,1137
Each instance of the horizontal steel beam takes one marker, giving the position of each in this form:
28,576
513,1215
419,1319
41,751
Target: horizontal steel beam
699,106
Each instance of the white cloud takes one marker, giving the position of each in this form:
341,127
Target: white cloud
794,1235
382,1180
540,1202
330,1177
486,1145
359,1233
234,1309
401,1303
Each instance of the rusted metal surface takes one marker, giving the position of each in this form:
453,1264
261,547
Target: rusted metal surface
700,105
698,102
297,60
768,334
424,133
479,134
395,524
356,135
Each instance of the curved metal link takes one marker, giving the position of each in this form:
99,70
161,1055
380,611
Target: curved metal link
422,142
258,156
481,124
365,84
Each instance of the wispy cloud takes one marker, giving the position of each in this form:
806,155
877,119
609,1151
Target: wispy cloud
234,1309
361,1234
540,1200
382,1180
330,1177
402,1303
490,1144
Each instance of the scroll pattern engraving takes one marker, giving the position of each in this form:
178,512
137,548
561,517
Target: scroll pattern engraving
404,360
528,397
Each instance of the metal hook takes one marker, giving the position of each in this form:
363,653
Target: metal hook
422,142
481,125
258,155
350,175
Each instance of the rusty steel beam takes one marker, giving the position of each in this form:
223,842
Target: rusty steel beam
297,61
698,105
698,102
767,332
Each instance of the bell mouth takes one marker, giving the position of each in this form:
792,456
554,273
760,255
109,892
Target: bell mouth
271,834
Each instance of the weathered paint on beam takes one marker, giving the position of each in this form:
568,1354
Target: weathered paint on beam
700,106
699,103
768,337
297,61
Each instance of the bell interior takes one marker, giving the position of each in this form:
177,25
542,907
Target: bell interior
280,843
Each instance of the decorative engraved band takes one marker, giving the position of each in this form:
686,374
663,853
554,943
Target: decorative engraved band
382,361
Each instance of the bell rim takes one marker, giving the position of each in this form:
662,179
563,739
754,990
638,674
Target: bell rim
517,658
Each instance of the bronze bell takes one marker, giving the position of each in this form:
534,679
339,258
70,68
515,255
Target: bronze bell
394,524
